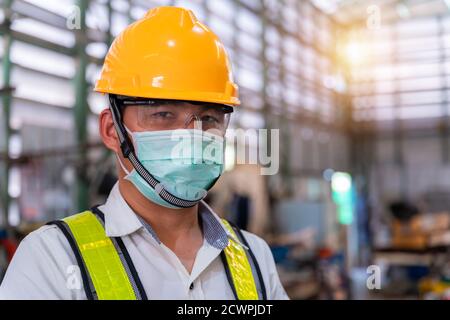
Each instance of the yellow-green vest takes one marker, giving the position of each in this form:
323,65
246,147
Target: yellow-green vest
108,272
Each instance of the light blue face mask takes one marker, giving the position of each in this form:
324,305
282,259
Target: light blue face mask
187,162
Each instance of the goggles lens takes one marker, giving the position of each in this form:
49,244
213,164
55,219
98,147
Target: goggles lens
171,117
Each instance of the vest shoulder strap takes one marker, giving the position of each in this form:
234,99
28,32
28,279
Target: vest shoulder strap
241,267
104,274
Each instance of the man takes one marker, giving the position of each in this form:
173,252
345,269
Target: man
171,93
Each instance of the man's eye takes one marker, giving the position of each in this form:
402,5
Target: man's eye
162,115
210,119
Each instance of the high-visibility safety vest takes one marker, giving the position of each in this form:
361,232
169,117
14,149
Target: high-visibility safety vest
108,272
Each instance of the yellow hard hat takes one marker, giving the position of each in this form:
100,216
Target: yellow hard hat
169,54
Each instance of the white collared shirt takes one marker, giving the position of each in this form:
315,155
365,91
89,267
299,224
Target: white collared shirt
44,266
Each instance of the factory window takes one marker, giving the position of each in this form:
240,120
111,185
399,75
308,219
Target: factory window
249,22
222,8
60,7
194,5
42,30
97,17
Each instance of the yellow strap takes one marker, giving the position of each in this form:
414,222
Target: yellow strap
102,261
240,269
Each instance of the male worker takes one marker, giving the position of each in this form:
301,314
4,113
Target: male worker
169,83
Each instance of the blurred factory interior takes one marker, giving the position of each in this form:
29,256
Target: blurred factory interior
360,91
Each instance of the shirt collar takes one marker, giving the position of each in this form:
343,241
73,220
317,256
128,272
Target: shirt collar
120,220
214,231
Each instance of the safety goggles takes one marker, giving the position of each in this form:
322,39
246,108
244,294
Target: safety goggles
171,115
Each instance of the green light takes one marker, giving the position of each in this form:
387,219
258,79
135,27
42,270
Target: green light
342,191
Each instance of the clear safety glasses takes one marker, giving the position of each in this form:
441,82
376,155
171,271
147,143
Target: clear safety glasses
172,116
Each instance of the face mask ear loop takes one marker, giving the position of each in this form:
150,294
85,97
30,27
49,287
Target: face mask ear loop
128,130
131,136
122,165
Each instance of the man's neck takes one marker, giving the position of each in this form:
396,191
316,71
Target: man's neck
171,225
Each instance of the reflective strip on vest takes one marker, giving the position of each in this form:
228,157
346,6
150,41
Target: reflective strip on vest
108,274
102,261
241,271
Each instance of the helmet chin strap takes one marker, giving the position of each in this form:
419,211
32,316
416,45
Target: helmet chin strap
127,149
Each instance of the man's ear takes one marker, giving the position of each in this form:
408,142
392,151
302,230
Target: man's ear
108,132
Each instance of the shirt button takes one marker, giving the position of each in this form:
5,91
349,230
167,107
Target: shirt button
191,286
